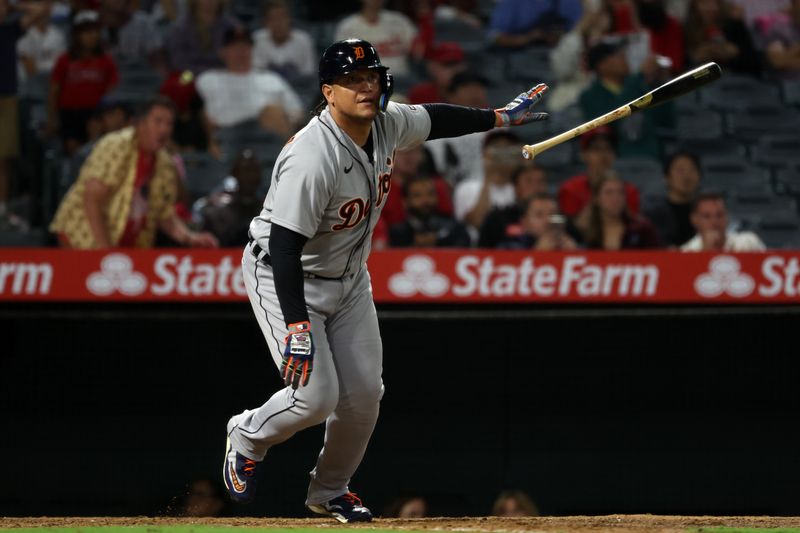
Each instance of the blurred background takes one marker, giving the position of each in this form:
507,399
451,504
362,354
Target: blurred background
115,408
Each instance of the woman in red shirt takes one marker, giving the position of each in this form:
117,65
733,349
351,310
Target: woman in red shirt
80,79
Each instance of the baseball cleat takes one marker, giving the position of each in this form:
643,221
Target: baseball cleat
239,475
345,508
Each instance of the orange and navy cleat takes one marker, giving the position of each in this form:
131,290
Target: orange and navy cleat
345,508
239,475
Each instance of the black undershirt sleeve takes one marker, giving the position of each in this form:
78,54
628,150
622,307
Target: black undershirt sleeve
285,248
449,120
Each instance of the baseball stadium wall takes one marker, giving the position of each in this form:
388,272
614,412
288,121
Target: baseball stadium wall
110,407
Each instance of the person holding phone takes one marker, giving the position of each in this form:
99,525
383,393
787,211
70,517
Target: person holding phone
543,228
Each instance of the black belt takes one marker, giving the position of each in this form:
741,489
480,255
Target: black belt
262,255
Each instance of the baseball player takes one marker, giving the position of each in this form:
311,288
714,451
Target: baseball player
306,276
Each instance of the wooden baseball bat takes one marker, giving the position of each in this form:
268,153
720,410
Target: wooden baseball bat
681,85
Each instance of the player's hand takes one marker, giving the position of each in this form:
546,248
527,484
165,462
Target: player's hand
298,357
519,110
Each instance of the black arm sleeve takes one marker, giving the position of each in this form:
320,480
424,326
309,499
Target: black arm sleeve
285,247
454,120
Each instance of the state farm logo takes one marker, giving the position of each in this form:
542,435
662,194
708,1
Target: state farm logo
724,276
116,274
418,276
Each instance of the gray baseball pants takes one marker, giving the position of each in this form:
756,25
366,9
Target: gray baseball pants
345,387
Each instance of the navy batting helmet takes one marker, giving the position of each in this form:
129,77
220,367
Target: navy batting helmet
344,57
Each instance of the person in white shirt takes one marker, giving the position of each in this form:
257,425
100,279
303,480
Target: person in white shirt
710,219
390,32
41,45
239,94
281,48
474,198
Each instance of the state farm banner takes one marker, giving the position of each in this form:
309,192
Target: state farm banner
415,276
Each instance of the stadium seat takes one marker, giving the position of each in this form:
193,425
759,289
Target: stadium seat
469,37
752,123
779,230
791,92
726,174
777,151
698,124
640,171
203,173
724,147
750,210
788,181
731,93
232,140
530,66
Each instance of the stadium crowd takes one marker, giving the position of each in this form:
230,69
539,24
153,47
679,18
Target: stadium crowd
156,122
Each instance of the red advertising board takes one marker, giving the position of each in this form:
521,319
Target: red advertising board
418,276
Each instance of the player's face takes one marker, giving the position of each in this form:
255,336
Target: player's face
710,216
355,95
155,129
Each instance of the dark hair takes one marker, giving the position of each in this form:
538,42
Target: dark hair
707,196
683,153
499,135
74,50
274,4
540,196
595,230
416,178
524,168
158,100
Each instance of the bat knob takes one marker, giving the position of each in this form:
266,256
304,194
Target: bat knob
525,154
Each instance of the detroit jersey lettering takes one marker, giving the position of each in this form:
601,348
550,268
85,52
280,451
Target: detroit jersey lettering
325,188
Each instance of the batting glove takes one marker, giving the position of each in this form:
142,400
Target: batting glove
519,112
298,357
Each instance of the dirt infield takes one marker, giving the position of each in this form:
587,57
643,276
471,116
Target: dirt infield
612,523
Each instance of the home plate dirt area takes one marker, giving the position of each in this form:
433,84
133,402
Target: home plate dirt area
561,524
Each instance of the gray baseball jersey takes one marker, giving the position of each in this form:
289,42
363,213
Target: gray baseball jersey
324,187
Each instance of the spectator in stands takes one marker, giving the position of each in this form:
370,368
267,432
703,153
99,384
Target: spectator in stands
614,86
606,224
758,15
713,35
80,79
12,26
279,47
413,506
444,61
666,33
461,10
391,33
131,34
408,164
671,215
238,94
783,45
501,223
41,45
113,116
227,214
423,226
598,153
127,189
460,158
193,43
474,198
514,503
710,221
519,23
542,228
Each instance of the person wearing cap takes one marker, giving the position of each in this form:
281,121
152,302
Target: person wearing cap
391,32
598,153
238,93
280,47
80,79
614,86
445,60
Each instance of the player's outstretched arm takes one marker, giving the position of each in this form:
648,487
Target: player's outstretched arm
449,120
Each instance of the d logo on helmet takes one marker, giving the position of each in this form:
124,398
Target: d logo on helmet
359,52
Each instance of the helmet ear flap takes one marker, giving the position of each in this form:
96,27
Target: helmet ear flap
387,88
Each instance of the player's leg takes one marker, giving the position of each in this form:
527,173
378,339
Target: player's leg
355,341
252,432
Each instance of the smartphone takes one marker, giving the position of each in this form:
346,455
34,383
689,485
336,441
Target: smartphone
557,223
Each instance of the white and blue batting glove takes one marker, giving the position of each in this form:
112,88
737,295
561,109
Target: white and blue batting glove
519,110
